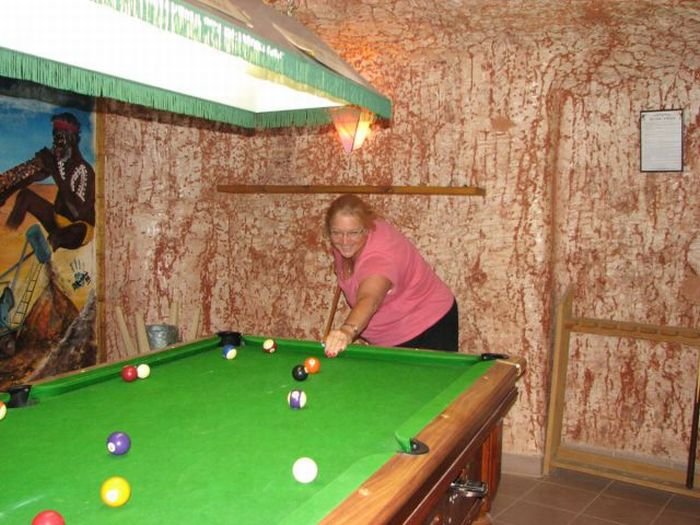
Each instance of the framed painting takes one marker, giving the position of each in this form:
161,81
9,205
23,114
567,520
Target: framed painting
48,262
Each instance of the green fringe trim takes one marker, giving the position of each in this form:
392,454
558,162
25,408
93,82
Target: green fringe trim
61,76
183,19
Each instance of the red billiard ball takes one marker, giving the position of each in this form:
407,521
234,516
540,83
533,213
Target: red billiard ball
129,373
48,517
312,365
269,346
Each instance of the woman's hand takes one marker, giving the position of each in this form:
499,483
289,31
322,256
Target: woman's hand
336,342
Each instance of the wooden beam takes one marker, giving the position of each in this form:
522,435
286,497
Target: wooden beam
386,190
606,327
558,388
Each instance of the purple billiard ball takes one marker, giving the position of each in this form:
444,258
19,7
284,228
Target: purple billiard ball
118,443
296,399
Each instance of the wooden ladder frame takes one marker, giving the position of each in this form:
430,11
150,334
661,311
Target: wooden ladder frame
556,453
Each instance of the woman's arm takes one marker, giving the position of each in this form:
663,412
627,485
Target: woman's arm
370,296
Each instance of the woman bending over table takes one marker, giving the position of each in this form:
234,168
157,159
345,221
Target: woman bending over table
396,299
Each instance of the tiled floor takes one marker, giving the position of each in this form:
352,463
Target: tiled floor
571,498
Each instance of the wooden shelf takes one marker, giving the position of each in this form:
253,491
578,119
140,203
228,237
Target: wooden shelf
469,191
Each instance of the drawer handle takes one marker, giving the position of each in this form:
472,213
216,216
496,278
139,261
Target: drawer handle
470,489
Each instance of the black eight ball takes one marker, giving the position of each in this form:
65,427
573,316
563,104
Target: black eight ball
299,373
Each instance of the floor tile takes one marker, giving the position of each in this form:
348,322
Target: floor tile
684,505
524,513
561,497
623,511
516,486
590,520
573,498
676,518
619,489
501,503
580,480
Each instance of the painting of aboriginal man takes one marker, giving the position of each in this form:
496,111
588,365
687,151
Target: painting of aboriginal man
70,219
47,230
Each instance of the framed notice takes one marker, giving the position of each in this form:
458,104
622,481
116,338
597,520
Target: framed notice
661,140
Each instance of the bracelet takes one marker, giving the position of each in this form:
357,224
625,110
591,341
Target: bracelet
352,327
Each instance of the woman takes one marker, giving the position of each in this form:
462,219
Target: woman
394,295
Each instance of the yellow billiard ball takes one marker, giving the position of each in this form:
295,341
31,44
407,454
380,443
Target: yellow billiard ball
115,491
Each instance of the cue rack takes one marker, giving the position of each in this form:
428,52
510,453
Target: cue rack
557,454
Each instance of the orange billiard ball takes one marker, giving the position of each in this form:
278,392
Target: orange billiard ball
312,365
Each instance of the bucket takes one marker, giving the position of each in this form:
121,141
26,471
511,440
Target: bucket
161,335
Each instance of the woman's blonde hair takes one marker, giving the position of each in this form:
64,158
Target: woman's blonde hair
351,205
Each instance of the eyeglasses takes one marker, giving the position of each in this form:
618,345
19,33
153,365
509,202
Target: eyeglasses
352,235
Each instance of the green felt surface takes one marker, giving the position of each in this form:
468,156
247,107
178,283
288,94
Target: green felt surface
213,441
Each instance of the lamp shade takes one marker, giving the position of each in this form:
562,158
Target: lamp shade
235,61
353,126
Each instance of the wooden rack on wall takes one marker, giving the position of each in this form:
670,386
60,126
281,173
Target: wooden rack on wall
387,190
558,454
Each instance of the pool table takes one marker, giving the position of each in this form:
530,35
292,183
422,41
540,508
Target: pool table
398,435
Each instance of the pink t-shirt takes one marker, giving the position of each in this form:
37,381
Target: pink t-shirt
417,298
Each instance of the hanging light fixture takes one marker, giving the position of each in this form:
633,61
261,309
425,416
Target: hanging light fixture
236,61
353,125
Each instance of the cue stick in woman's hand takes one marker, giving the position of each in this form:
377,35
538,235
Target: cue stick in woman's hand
331,317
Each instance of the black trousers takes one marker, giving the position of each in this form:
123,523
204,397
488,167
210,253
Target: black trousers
443,335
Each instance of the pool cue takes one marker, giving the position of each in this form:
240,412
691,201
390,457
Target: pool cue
124,331
331,316
690,478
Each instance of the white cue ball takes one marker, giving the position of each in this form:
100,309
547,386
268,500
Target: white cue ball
305,470
143,371
3,410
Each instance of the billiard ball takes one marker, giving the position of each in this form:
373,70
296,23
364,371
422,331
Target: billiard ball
312,365
296,399
229,352
48,517
299,373
115,491
269,346
3,410
118,443
305,470
143,371
129,373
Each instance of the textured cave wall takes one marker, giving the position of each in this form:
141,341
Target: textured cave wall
537,102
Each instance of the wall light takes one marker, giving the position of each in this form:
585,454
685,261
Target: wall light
352,124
